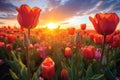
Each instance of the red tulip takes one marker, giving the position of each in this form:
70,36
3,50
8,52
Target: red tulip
2,44
64,75
48,68
98,39
105,23
68,52
88,52
83,26
28,17
10,38
9,47
71,31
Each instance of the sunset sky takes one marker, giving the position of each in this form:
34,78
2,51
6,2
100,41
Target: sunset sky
66,13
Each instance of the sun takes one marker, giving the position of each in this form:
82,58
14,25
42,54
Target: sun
52,25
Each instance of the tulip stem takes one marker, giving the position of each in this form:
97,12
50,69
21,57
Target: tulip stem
29,33
28,62
103,46
27,56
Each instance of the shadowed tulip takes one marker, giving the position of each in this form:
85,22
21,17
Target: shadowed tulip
9,47
48,68
1,61
64,75
2,44
28,17
105,23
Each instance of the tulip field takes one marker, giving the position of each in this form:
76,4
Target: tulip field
30,53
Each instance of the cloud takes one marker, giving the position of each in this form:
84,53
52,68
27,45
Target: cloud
56,11
7,10
6,6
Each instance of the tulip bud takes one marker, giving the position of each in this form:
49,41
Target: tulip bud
30,46
2,44
42,52
19,49
1,61
88,52
48,68
64,75
40,78
9,47
36,45
68,52
97,54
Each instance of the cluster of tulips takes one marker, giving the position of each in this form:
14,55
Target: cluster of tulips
69,54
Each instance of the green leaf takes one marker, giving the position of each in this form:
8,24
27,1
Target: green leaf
109,75
36,74
24,73
89,71
13,74
98,77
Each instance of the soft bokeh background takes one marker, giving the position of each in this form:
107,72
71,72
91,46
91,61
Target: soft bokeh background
66,13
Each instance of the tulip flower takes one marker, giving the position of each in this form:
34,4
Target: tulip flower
88,52
71,31
64,75
30,46
10,38
97,54
2,44
68,52
83,26
105,23
42,52
9,47
1,61
28,17
98,39
48,68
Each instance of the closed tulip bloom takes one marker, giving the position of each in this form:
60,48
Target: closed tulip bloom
64,75
68,52
88,52
83,26
98,39
105,23
28,17
71,31
2,44
48,68
9,47
97,54
1,61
